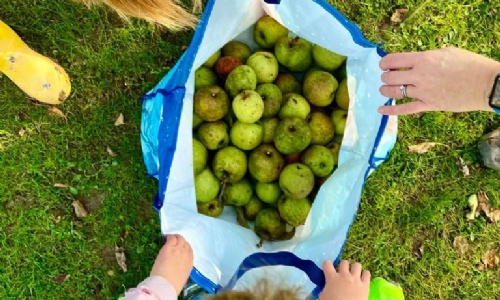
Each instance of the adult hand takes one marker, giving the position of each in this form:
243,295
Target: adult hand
449,79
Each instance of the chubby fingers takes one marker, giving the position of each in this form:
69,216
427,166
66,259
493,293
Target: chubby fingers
329,270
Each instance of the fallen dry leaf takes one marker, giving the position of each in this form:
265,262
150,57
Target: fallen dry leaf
111,152
61,278
399,15
61,185
483,202
57,111
490,260
120,258
461,245
495,216
22,132
120,120
80,210
423,147
463,166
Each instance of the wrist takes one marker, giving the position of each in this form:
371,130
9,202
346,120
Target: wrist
490,79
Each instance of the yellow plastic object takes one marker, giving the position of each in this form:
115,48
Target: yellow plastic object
37,75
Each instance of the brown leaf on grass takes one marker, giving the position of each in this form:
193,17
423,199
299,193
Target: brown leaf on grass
461,245
120,258
61,185
111,152
57,111
495,216
80,210
423,147
61,278
490,260
463,167
120,120
22,132
399,15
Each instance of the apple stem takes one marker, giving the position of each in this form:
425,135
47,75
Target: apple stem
223,187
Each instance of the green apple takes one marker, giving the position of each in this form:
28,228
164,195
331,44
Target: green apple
203,77
268,31
237,49
294,106
339,119
265,66
246,136
288,83
241,78
211,103
342,95
294,53
272,97
248,106
319,88
327,59
210,62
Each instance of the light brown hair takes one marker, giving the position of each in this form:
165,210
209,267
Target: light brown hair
263,290
172,14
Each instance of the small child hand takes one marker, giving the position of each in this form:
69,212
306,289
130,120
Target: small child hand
174,262
345,284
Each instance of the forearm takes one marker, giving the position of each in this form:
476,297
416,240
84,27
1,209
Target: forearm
153,288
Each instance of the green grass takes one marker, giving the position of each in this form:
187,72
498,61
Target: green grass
411,201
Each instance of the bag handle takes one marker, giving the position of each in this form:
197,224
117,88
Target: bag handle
283,258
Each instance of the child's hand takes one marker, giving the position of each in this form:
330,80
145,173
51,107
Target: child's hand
346,283
174,262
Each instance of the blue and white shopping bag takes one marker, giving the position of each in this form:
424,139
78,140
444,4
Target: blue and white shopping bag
225,253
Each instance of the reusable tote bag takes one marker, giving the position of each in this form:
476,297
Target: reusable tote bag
225,253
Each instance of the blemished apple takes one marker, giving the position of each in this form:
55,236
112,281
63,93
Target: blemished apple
268,31
237,49
288,83
294,53
226,64
241,78
342,95
326,59
204,77
265,66
319,88
339,119
248,106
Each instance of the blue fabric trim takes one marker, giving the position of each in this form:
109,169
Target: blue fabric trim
496,110
204,282
283,258
272,1
356,33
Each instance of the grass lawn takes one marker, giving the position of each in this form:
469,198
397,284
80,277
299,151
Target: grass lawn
412,208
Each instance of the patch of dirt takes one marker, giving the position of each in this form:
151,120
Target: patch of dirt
93,201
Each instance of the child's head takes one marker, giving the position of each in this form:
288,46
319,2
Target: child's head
169,13
263,290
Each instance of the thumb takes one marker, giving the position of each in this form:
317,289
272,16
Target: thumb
404,109
329,270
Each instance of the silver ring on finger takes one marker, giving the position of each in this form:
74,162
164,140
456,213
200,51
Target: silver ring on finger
403,88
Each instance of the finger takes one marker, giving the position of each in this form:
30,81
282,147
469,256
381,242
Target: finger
395,92
356,269
343,266
397,77
180,240
398,61
171,239
366,276
329,270
404,109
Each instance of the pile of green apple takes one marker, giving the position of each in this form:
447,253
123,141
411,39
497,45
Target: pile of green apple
267,128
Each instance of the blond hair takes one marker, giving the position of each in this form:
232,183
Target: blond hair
169,13
263,290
